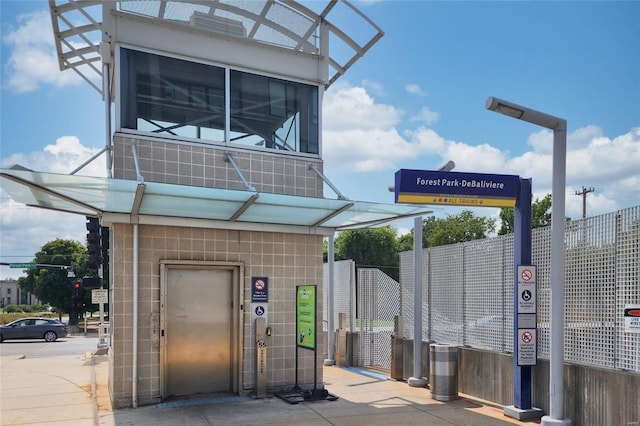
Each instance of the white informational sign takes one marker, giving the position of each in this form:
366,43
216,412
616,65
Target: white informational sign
526,310
527,352
527,281
259,310
99,295
632,318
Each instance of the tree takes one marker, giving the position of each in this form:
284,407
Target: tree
375,247
540,215
465,226
52,286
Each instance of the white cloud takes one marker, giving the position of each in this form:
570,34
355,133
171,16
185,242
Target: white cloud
414,89
24,230
427,116
374,86
347,107
65,155
32,61
363,136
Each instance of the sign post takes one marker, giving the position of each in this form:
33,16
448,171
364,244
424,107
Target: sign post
306,328
491,190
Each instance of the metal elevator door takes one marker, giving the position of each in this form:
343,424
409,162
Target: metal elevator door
198,332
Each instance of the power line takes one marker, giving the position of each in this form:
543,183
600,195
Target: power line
584,191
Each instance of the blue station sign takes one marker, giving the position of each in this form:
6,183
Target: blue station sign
456,188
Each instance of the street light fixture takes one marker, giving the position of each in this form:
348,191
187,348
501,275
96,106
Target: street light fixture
559,127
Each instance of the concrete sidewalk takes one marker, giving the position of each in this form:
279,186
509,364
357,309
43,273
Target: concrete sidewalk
72,390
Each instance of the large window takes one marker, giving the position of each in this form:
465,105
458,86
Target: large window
185,99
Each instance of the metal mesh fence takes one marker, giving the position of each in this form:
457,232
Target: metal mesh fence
468,294
344,293
469,289
485,312
446,290
627,290
378,304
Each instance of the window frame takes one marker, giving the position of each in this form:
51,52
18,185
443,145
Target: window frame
227,142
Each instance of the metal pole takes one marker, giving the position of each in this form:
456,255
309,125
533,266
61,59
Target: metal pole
559,127
556,377
417,380
107,116
331,350
134,369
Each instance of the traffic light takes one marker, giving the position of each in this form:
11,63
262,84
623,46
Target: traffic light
94,240
91,282
105,249
77,289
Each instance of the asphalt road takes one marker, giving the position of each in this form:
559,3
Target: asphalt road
70,345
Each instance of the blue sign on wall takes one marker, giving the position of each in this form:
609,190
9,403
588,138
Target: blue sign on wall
259,289
456,188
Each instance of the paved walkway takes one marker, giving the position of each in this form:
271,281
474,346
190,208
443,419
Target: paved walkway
72,390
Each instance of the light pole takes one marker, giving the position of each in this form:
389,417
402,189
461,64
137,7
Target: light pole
417,380
559,127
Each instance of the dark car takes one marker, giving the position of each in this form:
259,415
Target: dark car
48,329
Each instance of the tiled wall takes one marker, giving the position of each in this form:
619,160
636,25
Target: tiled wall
204,165
287,259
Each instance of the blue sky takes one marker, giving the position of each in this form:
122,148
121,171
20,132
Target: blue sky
415,100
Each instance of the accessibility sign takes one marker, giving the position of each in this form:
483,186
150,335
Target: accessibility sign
527,281
259,310
456,188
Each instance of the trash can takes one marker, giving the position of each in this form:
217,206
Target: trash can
443,372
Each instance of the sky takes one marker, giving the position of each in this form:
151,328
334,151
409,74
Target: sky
414,101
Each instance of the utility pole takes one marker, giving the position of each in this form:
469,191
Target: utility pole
584,191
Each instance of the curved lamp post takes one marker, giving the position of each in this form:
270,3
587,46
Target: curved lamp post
559,127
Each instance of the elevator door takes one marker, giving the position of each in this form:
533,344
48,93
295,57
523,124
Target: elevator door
198,332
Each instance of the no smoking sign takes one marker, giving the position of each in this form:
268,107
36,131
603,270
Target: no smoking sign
526,274
260,289
527,350
526,290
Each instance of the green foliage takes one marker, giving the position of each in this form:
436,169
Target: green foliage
375,247
52,286
9,309
7,317
465,226
540,216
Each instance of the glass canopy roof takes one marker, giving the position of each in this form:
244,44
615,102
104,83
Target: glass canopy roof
77,28
95,196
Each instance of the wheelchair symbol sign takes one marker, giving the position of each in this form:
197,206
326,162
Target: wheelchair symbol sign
526,295
259,310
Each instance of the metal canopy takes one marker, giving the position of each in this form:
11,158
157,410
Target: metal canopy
97,196
77,28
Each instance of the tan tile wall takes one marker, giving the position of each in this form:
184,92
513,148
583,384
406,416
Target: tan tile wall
287,259
202,165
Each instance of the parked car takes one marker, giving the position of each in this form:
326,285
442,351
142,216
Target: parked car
48,329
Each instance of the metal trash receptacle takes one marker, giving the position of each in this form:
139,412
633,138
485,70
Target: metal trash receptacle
443,372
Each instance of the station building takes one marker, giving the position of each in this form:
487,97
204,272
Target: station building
213,140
